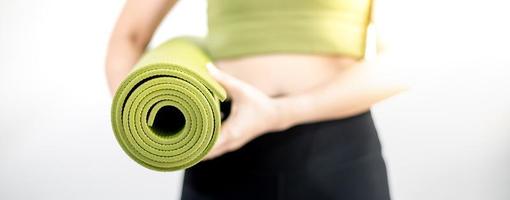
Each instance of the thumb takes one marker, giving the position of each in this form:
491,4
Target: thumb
233,85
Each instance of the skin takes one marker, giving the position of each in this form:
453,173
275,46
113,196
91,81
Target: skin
321,87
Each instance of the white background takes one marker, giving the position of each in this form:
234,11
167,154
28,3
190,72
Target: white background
447,138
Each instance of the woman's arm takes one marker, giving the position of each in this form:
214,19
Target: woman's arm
133,31
357,88
254,113
350,93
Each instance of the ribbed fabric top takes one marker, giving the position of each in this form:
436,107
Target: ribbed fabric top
246,27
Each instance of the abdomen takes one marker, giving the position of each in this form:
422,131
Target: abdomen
285,74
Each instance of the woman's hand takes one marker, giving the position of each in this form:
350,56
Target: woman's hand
253,114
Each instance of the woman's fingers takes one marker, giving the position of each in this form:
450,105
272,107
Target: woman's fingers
219,150
222,142
245,118
233,85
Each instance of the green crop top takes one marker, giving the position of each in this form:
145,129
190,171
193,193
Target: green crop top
247,27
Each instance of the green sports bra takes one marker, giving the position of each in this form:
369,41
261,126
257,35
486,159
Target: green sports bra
247,27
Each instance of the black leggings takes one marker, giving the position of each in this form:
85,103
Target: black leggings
337,159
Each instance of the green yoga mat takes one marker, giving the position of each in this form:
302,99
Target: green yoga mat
166,113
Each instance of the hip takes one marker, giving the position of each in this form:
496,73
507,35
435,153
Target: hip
333,143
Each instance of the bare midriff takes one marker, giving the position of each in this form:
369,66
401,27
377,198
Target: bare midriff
286,74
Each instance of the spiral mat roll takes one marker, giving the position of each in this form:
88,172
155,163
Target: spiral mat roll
166,113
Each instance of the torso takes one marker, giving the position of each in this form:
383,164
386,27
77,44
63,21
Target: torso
285,74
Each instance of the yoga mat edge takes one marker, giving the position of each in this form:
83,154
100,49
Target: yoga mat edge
165,113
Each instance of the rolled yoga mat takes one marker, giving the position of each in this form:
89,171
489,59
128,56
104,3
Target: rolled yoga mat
166,113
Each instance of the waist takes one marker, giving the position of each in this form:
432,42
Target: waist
286,74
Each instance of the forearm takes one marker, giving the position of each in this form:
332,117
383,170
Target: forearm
353,91
122,55
133,30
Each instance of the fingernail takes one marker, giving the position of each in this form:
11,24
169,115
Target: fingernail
211,68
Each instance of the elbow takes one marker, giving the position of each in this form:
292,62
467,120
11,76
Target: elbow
397,84
137,39
389,82
400,87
